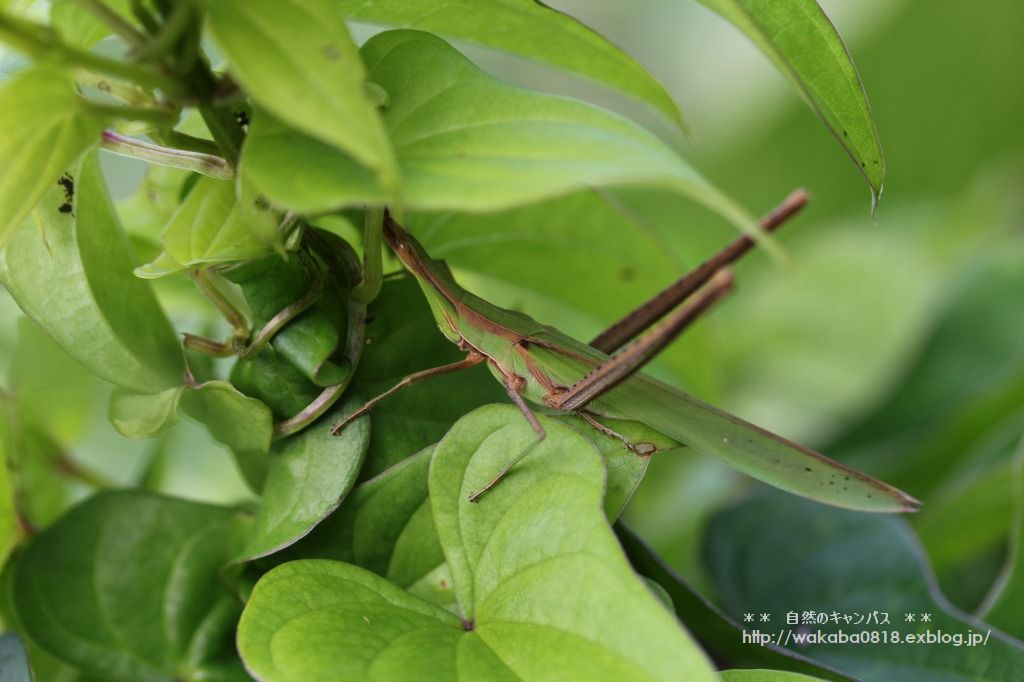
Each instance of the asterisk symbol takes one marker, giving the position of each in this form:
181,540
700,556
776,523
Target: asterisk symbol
909,618
748,618
765,618
926,617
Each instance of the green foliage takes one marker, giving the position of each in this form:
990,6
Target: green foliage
127,585
805,46
465,141
104,318
307,477
531,30
306,71
514,561
46,128
873,563
209,227
175,503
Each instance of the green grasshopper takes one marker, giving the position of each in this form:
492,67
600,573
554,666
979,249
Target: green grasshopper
544,366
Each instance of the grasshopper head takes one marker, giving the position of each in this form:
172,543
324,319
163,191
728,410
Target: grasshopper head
433,276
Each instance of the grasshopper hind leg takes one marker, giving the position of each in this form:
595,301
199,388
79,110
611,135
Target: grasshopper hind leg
641,449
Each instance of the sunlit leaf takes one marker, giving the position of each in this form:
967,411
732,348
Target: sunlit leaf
799,38
71,271
243,424
78,26
528,29
465,141
306,71
46,128
209,227
515,557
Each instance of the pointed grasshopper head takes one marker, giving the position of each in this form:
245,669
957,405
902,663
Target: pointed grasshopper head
433,276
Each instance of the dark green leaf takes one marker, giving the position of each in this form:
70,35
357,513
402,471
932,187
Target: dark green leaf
465,141
528,29
967,520
761,555
308,476
1004,606
386,526
312,340
717,633
961,385
104,317
306,71
765,676
125,584
46,128
799,38
275,381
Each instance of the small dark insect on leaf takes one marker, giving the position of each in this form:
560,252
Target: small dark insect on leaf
243,119
68,184
65,208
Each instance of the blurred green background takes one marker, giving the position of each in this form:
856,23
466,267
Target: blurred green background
895,343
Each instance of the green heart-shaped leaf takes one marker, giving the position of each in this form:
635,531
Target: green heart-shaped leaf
126,586
520,561
533,563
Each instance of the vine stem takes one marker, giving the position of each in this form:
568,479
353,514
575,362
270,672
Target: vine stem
40,41
373,267
207,164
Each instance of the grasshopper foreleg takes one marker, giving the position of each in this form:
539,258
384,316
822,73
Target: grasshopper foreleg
513,384
470,360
